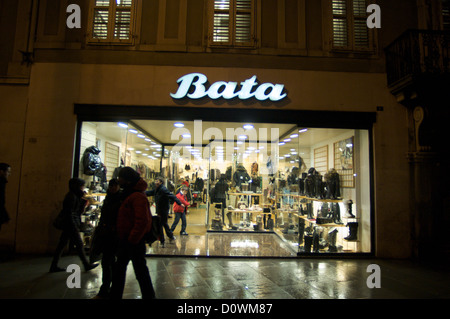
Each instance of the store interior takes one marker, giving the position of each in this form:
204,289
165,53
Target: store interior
305,188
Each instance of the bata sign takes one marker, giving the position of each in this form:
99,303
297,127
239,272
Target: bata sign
193,86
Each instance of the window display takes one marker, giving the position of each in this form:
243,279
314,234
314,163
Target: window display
308,186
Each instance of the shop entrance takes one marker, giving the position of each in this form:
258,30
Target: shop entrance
255,188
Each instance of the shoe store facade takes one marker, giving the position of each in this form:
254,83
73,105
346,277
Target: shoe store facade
307,148
254,166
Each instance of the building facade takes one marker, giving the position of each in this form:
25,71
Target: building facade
66,74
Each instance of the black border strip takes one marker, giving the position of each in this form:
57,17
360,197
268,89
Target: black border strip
306,118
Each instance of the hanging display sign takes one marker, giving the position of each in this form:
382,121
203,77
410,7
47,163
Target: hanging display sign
193,86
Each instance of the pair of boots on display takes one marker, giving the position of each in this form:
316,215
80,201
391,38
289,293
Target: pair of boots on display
353,231
335,213
313,239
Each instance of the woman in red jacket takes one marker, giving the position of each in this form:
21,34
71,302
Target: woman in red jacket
133,222
180,211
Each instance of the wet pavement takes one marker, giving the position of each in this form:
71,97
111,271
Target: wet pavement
236,278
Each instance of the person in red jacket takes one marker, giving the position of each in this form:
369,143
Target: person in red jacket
134,220
180,211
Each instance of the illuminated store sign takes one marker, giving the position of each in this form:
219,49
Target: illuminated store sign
193,86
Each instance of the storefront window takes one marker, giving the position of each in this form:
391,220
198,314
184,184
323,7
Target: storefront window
309,187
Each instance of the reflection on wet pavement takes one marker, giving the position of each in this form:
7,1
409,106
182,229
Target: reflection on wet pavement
225,244
234,278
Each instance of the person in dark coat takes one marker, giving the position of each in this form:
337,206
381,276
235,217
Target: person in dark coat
73,206
220,193
107,232
5,171
162,197
134,221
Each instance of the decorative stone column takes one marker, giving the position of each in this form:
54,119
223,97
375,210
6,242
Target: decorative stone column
424,187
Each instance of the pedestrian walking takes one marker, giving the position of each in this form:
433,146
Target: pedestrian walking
106,235
180,211
74,205
133,222
162,197
5,171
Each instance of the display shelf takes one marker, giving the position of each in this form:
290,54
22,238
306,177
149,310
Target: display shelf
91,217
328,236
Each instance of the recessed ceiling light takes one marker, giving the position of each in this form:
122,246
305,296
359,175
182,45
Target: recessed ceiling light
293,136
248,126
178,124
133,131
141,135
186,135
121,124
303,130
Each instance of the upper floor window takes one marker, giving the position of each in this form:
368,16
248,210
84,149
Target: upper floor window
350,24
446,15
112,21
232,23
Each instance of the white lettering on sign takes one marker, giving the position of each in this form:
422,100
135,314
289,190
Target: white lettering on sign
193,86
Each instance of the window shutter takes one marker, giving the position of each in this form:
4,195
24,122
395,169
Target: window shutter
446,15
360,31
340,22
350,30
221,29
243,21
232,22
112,21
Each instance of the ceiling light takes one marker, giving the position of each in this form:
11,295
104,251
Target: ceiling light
133,131
287,140
187,135
141,135
121,124
248,126
293,136
303,130
242,137
178,124
281,143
